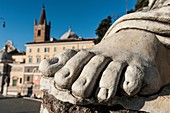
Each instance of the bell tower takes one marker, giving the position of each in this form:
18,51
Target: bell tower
42,29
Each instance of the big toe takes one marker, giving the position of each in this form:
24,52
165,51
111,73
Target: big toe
48,67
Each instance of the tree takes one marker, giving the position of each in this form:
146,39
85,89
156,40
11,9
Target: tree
141,3
106,23
103,27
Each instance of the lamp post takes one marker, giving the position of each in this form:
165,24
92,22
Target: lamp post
126,6
3,22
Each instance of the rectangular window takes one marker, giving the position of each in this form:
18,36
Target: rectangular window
20,80
30,50
28,78
47,49
38,59
38,50
14,82
55,49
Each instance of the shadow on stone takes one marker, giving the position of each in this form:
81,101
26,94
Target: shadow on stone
56,106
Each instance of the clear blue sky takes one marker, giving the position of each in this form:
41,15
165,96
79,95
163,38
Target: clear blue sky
83,16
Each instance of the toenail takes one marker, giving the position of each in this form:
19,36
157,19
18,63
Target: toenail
67,74
84,81
103,94
64,72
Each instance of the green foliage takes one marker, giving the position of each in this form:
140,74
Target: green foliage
130,11
103,27
141,3
106,23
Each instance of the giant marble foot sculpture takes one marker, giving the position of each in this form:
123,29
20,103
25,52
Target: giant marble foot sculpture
128,64
132,60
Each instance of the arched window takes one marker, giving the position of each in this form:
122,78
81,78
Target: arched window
39,33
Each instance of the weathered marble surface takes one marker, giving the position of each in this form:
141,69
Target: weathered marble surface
158,103
52,105
130,66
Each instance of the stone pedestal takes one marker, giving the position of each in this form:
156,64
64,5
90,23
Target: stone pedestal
52,105
5,90
158,103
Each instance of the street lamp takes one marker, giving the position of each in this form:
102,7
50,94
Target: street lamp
126,6
3,22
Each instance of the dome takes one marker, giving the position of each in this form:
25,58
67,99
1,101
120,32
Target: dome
5,57
69,35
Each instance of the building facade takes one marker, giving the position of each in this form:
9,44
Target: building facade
44,47
11,68
23,67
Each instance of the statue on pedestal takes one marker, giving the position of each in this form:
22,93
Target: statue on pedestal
131,63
